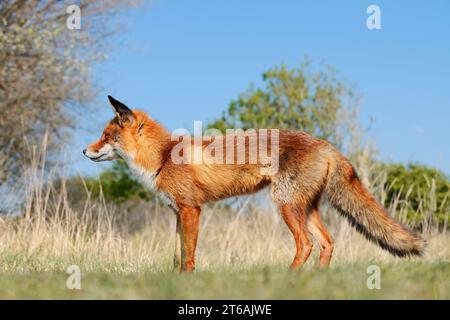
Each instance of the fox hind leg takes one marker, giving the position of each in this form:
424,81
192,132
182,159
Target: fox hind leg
295,218
178,257
298,191
321,235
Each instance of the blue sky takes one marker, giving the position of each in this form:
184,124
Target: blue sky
185,60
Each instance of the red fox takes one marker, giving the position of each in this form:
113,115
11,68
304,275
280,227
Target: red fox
307,169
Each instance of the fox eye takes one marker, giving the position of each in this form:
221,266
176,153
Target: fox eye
107,136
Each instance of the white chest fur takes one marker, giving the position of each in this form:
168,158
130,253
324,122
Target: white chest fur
148,179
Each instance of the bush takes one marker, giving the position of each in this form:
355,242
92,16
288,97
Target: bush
426,191
118,185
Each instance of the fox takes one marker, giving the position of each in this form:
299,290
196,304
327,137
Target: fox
309,169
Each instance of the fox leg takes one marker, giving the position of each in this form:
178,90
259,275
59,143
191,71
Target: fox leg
189,226
178,255
321,235
295,218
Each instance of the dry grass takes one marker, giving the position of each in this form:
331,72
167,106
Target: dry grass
50,235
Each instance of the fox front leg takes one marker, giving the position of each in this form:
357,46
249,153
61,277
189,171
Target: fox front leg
189,218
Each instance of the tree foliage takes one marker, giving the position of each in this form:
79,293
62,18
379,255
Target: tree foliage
318,103
45,78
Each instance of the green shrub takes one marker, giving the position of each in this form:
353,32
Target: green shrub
118,184
425,190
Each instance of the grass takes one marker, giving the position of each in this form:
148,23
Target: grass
401,281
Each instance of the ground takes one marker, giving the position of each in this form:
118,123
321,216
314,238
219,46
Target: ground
405,280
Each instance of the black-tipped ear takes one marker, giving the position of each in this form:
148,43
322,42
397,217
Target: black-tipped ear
123,112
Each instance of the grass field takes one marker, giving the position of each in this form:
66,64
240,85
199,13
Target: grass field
401,281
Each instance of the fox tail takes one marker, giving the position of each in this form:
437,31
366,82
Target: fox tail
347,194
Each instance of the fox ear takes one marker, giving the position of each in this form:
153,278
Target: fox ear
123,113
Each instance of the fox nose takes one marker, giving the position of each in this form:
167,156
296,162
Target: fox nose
84,151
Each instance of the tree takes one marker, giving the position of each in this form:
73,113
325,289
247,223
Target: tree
315,102
45,71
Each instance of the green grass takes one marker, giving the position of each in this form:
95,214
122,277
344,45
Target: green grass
399,281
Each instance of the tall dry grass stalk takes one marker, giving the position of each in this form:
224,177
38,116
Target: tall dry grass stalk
51,234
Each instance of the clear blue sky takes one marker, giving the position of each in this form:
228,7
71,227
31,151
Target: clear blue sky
185,60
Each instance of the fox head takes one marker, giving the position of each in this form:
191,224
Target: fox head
121,136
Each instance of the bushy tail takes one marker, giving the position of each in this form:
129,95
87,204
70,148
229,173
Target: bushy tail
347,194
